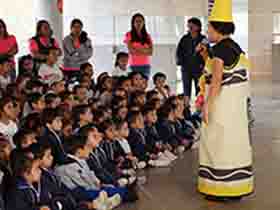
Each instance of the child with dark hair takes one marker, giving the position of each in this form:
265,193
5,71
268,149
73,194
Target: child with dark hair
36,103
81,94
67,129
126,84
136,81
23,138
154,142
68,100
82,116
106,91
32,122
7,114
26,65
77,175
166,128
26,193
120,92
120,113
151,95
112,150
50,71
121,64
138,98
52,100
159,80
52,120
6,180
61,196
57,86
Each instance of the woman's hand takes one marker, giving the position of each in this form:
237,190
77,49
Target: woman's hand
205,113
202,50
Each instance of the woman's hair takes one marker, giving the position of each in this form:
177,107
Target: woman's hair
196,22
76,21
144,39
5,28
223,28
119,56
39,26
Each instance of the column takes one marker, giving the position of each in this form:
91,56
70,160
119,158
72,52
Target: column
48,10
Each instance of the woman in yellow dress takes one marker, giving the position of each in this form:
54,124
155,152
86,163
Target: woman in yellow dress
225,152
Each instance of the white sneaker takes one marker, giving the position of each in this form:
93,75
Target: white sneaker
114,202
100,203
141,165
159,163
123,182
130,172
180,150
170,155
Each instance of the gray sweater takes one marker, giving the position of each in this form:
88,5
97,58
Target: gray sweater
74,57
78,174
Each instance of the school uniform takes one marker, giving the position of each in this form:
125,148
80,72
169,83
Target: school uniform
167,132
60,193
58,152
97,162
28,197
152,138
78,177
137,142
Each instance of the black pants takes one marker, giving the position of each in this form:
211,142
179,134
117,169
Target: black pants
187,78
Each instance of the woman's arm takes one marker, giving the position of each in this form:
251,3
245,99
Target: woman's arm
215,86
13,51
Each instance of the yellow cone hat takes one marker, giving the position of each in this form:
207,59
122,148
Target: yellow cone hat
221,11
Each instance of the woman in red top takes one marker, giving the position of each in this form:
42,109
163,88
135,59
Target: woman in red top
40,44
140,46
8,46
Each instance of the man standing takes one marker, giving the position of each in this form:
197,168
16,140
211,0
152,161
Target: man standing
190,61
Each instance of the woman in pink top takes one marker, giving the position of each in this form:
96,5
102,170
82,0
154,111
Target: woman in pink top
140,46
40,44
8,46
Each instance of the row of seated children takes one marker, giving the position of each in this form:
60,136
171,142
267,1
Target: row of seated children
104,132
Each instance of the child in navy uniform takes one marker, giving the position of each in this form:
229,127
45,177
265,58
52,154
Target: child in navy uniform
26,193
53,121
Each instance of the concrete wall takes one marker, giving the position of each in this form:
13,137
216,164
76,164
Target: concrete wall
260,36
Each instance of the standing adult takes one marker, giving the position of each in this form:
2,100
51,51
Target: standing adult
8,47
191,63
225,154
77,49
40,44
140,46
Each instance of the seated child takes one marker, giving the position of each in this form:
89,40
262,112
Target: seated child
50,71
77,175
113,153
153,140
26,193
138,143
52,100
159,80
7,113
82,116
121,65
81,93
52,120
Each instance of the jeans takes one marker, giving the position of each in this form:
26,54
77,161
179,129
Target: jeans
145,70
188,77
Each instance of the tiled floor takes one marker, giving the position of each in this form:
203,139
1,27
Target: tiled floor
175,188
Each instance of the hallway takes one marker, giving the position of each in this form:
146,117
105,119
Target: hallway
175,188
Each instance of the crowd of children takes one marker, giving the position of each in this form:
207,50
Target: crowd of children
79,143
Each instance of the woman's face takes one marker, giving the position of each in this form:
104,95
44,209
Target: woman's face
76,29
213,35
45,30
139,23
